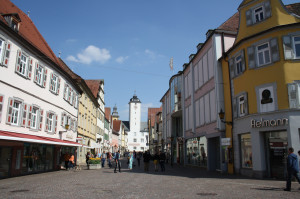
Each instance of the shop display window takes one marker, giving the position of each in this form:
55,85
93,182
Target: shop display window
246,151
197,151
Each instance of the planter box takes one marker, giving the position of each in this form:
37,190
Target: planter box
94,166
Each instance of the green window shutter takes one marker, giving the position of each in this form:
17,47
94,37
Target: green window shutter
7,54
41,119
9,110
231,68
288,48
18,62
274,50
268,9
251,57
29,71
249,20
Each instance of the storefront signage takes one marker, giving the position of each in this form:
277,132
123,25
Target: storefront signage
269,123
225,141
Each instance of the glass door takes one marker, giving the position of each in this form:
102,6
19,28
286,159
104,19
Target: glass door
5,161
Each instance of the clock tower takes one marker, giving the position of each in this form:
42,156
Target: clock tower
135,114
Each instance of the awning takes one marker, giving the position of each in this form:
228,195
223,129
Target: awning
5,135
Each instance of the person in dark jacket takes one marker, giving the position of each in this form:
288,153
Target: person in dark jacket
292,169
162,159
147,158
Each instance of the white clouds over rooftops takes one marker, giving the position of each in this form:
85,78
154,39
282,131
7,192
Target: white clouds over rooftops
91,54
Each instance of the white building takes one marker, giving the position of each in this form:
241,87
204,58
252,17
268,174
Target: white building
138,135
38,97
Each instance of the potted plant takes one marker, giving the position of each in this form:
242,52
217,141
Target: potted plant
94,163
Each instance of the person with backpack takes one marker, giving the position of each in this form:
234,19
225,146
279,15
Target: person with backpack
117,161
292,168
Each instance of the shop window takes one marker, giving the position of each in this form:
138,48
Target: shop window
246,150
197,151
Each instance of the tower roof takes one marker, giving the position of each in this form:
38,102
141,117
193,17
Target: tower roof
135,99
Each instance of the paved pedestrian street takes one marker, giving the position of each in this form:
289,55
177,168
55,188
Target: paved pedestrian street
176,182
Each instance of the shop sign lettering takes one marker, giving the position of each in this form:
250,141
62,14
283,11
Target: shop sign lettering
269,123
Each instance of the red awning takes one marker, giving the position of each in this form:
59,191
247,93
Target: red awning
5,135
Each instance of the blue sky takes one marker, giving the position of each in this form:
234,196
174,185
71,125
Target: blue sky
128,43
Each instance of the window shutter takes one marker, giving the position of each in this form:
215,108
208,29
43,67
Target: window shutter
246,103
288,48
65,91
29,120
45,77
30,61
7,54
47,122
243,61
234,107
231,67
74,98
24,115
69,97
293,93
249,20
51,83
36,71
268,9
9,110
75,125
76,101
1,106
274,50
18,62
251,57
55,123
58,85
62,119
41,119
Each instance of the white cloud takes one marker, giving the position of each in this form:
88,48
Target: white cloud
121,59
150,53
91,54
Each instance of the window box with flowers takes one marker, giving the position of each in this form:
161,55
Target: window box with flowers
94,163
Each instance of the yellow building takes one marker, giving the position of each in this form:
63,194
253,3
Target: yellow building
87,121
261,88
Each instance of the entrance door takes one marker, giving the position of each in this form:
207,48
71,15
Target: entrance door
276,154
5,161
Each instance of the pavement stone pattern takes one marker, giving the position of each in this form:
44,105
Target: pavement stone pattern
176,182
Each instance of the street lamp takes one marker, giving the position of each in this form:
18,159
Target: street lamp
221,116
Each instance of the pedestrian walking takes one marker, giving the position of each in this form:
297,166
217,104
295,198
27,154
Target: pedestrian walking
130,157
292,168
138,157
103,158
109,159
146,158
71,162
134,157
87,158
156,161
66,158
162,159
117,161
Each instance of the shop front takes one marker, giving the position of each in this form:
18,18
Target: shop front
263,144
196,151
22,154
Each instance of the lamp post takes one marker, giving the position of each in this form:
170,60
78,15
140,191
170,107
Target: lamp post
221,116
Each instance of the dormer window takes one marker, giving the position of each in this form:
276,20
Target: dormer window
259,14
13,20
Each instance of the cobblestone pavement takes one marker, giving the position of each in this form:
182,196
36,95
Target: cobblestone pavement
176,182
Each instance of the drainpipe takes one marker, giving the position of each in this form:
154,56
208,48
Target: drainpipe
230,88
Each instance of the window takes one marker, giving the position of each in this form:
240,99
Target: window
238,64
51,122
241,100
35,118
4,51
15,111
134,133
246,151
297,47
54,84
263,54
134,148
24,64
259,14
134,140
142,140
40,75
294,94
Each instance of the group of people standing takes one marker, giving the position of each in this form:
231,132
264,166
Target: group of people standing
69,161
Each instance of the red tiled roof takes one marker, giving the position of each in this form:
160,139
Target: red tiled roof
232,24
27,29
107,112
152,114
117,125
294,8
5,135
94,86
